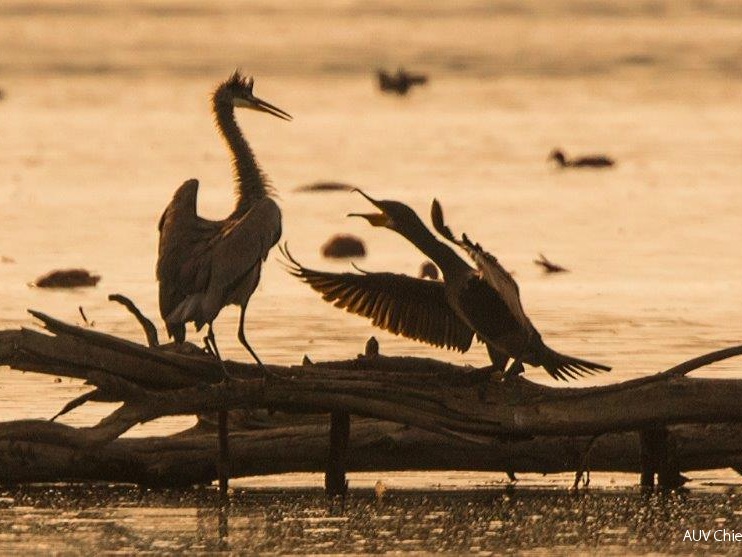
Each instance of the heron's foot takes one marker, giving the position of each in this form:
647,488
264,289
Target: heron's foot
269,374
515,369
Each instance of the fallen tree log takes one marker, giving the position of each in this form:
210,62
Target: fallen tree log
460,404
188,459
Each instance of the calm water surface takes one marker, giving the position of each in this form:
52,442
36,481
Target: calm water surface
106,112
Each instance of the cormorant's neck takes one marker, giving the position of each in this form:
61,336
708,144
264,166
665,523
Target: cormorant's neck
442,255
251,182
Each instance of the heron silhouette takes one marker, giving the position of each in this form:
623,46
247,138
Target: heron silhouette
484,301
204,265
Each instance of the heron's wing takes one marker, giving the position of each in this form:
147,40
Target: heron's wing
411,307
240,248
205,265
184,237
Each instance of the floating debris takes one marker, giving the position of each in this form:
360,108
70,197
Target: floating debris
548,266
325,186
585,161
344,245
428,270
399,83
66,278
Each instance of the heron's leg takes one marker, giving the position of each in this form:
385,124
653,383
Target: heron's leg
243,340
210,341
223,415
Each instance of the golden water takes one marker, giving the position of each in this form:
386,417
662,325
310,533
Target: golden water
106,112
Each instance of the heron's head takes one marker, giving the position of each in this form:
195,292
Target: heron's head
392,214
238,91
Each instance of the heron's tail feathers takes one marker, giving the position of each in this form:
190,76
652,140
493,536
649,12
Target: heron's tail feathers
190,309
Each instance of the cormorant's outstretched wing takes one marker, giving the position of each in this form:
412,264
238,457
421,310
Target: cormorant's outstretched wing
411,307
489,268
559,366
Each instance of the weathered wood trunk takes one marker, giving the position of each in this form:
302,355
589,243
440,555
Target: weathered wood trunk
462,419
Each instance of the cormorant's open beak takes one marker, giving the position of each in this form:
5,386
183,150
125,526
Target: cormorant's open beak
254,103
375,219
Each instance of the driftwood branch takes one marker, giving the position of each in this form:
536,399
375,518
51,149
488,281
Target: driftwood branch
373,446
449,404
150,330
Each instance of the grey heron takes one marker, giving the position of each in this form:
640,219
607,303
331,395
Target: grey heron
204,265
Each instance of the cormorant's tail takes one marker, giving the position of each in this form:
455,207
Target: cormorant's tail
563,367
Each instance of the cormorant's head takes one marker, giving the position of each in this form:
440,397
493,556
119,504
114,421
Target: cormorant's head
238,91
394,215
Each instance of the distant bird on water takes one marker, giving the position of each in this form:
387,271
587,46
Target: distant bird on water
549,266
483,301
399,83
204,265
585,161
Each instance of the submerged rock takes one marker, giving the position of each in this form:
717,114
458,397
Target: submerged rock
344,245
66,278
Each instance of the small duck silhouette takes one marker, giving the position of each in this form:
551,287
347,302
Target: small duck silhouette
548,266
585,161
399,83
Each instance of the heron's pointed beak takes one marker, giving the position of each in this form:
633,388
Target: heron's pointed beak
254,103
375,219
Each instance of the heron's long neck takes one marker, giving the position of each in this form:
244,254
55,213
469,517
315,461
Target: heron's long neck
441,254
251,182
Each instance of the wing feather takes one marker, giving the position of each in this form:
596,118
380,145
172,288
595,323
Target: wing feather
204,265
411,307
489,268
